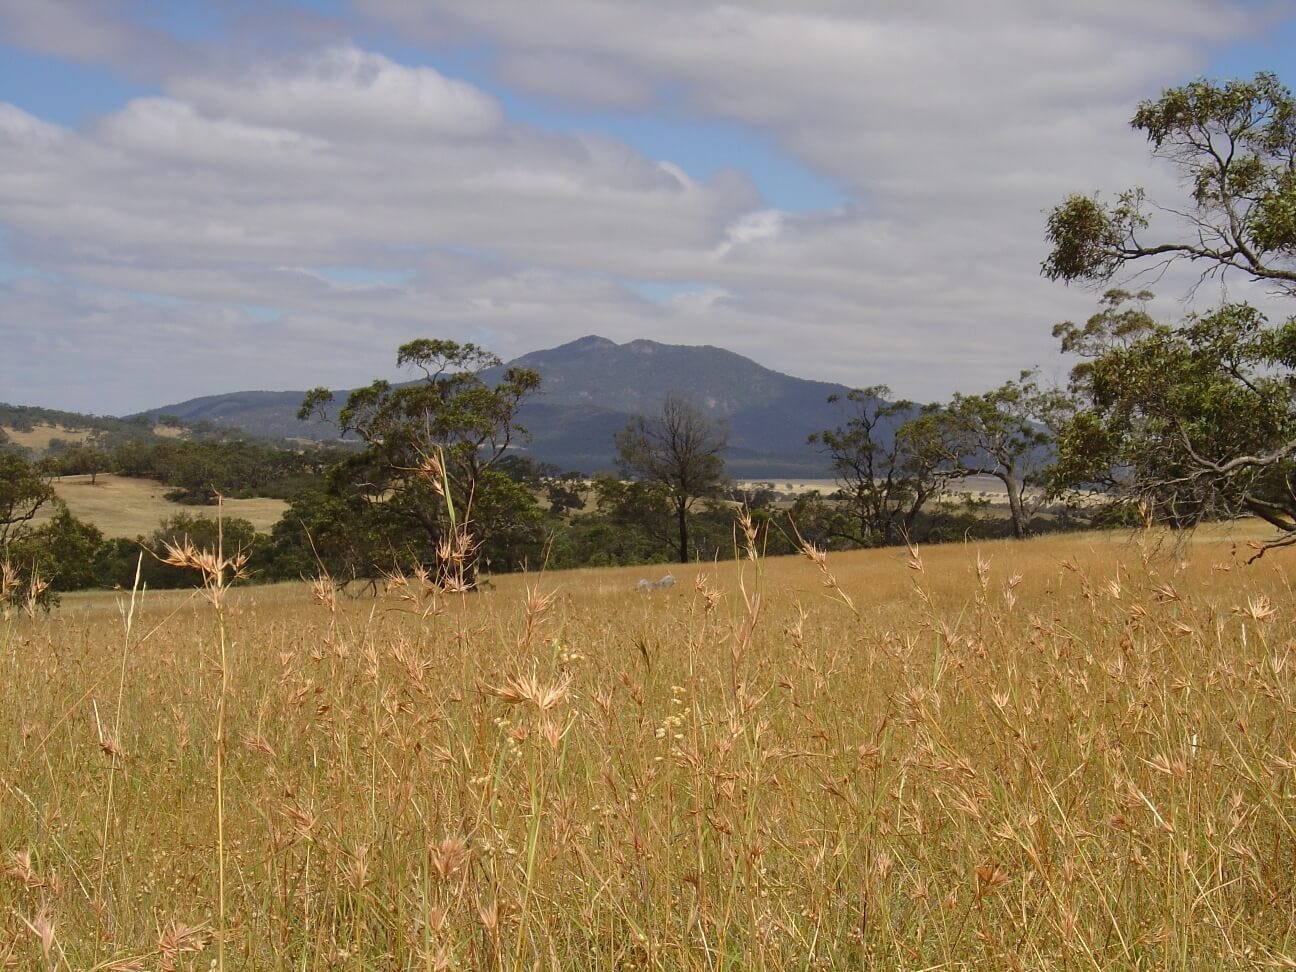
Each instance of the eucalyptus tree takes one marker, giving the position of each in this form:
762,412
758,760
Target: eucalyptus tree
1006,433
888,462
1233,145
678,448
23,491
1195,420
430,448
1190,422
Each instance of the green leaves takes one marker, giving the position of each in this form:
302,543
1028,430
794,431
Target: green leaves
888,459
22,493
451,415
1191,421
1085,240
1234,144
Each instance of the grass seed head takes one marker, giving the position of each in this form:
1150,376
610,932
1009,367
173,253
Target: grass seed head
448,856
517,689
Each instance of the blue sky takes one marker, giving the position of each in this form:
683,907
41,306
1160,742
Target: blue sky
210,196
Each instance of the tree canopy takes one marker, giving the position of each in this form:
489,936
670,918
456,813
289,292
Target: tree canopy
887,462
1004,433
430,446
1190,422
679,448
23,491
1233,144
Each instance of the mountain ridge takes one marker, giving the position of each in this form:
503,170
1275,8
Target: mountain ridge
590,387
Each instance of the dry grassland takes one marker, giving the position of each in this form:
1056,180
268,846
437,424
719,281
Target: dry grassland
1072,753
38,437
125,507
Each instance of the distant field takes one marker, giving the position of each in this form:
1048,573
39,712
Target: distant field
1070,753
123,507
981,487
38,437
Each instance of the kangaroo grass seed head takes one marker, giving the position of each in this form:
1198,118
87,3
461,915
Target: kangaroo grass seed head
217,569
448,857
518,689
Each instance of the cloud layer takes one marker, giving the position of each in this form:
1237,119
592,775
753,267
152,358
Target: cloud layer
284,219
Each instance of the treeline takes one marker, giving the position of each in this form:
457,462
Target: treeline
430,470
199,471
559,521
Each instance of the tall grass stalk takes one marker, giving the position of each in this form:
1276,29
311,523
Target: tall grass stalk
112,744
218,572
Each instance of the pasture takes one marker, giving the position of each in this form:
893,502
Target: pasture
122,506
1068,753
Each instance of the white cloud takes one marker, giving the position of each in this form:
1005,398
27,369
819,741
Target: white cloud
165,228
94,31
344,92
755,227
576,76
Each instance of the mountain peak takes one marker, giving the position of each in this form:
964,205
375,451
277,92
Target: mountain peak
590,342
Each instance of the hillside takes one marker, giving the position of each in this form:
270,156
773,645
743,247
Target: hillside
589,389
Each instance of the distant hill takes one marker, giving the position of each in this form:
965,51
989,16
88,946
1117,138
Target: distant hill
589,390
36,431
267,414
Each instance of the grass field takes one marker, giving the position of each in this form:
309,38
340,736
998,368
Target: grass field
1071,753
124,507
38,437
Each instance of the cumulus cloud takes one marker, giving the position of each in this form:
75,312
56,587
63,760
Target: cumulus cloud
346,92
953,127
204,220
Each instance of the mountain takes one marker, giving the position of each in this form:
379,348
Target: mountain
590,387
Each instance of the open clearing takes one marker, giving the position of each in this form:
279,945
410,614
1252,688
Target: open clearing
124,507
1067,753
38,437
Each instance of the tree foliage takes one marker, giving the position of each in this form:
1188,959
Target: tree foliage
679,449
84,460
63,550
1234,145
888,463
229,534
23,491
1190,422
430,445
1004,433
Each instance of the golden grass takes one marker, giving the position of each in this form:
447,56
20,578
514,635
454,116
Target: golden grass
125,507
1072,753
38,437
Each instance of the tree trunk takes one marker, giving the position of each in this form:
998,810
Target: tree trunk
681,512
1016,511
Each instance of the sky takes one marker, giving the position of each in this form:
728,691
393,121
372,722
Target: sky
205,197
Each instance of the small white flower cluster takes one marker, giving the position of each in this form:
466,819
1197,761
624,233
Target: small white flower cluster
512,738
567,655
673,723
